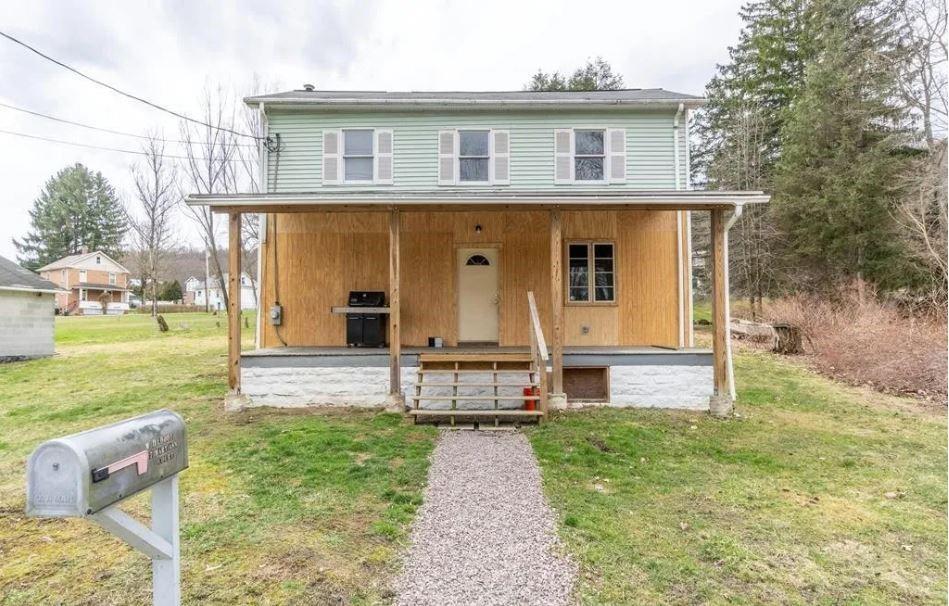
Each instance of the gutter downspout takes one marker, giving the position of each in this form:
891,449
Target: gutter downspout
675,144
730,367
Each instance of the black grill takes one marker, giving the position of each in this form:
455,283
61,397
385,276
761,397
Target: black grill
366,329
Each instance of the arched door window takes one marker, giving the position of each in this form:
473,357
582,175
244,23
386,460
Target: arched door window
477,260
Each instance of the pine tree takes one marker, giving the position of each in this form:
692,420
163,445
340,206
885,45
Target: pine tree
77,208
842,144
739,132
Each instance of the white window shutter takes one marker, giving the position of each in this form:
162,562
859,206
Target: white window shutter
332,140
383,160
502,157
616,138
563,155
446,157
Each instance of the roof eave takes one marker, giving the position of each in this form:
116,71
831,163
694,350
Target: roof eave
24,288
671,199
393,104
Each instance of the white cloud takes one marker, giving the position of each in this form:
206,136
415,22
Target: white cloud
169,52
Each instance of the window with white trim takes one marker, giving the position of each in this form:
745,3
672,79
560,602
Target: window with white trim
112,279
589,155
358,155
479,156
474,156
590,272
82,275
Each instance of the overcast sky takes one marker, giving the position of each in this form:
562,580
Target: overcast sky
168,52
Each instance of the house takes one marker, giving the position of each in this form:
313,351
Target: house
93,284
27,310
542,238
197,294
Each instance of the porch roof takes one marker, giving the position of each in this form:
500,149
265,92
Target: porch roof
466,199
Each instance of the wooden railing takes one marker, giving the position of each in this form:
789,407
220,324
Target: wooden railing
538,350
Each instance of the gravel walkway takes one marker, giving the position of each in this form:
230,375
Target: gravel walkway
484,534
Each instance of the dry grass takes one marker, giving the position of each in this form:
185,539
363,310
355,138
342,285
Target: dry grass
861,341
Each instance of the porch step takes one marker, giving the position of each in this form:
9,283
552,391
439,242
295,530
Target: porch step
463,384
483,397
475,357
459,371
483,371
422,412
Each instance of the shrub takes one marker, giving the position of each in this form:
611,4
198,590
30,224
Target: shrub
859,339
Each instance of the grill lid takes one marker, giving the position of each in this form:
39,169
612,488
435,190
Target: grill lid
367,298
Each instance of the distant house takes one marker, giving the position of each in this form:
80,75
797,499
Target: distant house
94,283
197,294
27,304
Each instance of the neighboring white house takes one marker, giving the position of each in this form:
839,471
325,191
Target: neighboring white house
27,313
196,293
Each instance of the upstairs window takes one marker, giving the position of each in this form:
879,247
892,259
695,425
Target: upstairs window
112,279
474,156
590,272
357,155
98,260
82,275
589,156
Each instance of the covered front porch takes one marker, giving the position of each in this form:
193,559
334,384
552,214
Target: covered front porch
632,348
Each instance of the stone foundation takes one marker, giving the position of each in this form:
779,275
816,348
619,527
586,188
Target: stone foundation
665,386
686,387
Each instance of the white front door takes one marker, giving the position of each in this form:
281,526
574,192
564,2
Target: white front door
478,295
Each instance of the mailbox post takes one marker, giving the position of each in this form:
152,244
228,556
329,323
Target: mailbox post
88,474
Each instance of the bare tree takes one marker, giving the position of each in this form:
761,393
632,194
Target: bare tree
739,164
922,209
923,84
210,167
247,178
922,216
156,190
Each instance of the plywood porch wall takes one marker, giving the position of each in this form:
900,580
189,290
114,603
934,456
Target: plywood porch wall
322,256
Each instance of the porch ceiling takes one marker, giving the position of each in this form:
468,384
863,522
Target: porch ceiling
468,199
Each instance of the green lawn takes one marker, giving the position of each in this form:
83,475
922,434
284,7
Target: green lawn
786,504
277,507
817,494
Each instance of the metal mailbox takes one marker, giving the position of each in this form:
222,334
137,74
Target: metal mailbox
82,474
87,474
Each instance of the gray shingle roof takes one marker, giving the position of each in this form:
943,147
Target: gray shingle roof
630,96
14,276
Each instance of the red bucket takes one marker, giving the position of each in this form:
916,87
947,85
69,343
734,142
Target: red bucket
530,404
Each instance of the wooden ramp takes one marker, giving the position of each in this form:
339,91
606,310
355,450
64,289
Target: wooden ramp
477,388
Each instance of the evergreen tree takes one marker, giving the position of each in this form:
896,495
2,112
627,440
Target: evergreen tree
77,208
842,144
739,133
170,291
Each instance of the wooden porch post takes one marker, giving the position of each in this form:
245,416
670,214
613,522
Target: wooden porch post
556,299
721,401
395,320
234,303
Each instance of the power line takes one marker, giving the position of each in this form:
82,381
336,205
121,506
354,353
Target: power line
122,92
112,149
105,130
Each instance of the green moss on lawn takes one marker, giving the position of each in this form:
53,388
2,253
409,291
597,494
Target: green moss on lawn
786,504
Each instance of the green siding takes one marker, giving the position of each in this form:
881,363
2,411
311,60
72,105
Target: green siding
649,146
